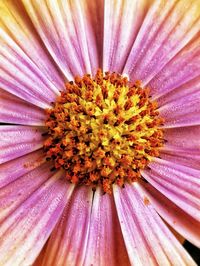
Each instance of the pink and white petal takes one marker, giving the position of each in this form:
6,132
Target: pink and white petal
181,158
95,19
26,230
186,138
185,90
67,244
183,223
21,77
16,141
12,170
122,20
177,22
71,55
16,192
186,66
183,109
147,238
82,13
104,233
178,184
14,19
17,111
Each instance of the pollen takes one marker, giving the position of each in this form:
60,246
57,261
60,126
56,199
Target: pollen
103,130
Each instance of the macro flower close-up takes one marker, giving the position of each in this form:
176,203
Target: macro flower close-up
100,132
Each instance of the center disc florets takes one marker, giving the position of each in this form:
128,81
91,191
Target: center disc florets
102,130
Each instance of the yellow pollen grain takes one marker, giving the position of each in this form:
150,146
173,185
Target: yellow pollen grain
102,130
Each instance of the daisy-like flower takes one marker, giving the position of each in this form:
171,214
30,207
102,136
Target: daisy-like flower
101,147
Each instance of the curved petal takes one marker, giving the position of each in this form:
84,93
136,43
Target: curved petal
104,233
186,66
147,238
16,23
86,231
16,111
183,146
184,111
16,141
16,192
177,22
68,241
122,20
20,76
183,223
186,138
181,92
25,231
73,46
12,170
179,185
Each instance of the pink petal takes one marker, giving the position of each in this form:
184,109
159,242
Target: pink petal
87,230
21,77
67,244
14,110
183,146
186,138
184,111
16,192
12,170
104,233
73,46
181,158
186,66
16,141
157,43
26,230
179,185
17,24
183,223
183,91
147,238
122,20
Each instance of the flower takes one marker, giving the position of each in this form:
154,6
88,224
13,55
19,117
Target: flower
44,46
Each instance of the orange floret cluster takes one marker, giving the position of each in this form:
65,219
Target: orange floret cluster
103,130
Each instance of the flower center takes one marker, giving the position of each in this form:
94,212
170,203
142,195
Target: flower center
102,130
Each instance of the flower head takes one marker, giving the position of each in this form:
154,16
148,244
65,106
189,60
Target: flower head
93,160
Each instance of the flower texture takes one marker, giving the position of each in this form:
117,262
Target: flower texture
100,146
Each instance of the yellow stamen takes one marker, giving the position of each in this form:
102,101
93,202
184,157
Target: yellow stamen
102,130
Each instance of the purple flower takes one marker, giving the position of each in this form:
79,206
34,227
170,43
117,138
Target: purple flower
50,221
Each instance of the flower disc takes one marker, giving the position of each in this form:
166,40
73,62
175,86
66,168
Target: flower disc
103,130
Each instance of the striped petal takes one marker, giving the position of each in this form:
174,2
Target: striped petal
16,192
26,230
122,20
104,233
183,223
15,21
181,92
180,184
68,241
13,169
177,22
13,110
186,138
186,66
147,238
19,75
16,141
86,231
184,111
73,47
183,146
